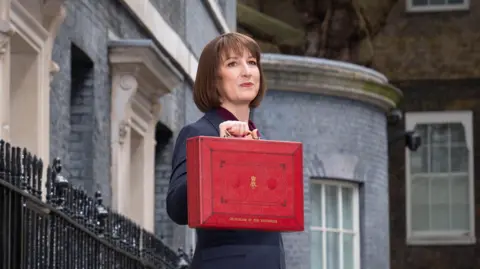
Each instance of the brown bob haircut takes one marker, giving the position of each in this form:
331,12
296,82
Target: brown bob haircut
205,93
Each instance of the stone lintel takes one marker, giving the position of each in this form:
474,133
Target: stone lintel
155,74
327,77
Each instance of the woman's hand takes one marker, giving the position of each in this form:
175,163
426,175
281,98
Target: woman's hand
237,129
253,135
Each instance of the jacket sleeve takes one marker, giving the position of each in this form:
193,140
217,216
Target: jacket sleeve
177,188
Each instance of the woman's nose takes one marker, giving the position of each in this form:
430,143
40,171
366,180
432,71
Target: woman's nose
246,69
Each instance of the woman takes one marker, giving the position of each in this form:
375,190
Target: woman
229,83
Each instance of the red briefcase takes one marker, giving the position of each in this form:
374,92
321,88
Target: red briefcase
245,184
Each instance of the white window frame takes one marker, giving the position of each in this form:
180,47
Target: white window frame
441,238
438,8
356,220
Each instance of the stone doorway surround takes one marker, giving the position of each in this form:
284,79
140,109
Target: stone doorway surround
141,75
27,32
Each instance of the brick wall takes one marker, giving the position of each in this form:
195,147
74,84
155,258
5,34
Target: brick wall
196,16
429,45
431,95
192,21
173,12
229,9
174,116
80,147
195,26
86,25
329,126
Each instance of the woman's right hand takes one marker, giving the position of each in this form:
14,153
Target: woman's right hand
234,128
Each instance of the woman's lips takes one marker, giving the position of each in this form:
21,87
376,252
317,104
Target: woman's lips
246,84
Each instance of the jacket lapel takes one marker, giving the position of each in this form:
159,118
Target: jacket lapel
214,119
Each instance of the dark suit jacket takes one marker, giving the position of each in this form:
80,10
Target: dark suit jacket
217,249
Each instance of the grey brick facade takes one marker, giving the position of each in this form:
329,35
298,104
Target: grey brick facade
80,118
193,22
329,126
229,9
198,16
86,26
173,12
195,25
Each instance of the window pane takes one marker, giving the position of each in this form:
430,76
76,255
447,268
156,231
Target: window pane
459,159
331,206
437,2
419,160
347,210
420,2
460,217
440,207
316,200
420,218
439,133
422,130
456,2
332,250
420,215
348,256
316,243
440,220
439,159
460,203
439,193
460,190
457,132
419,191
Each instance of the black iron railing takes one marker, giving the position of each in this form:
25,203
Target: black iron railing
67,228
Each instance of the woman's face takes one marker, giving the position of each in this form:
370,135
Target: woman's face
239,78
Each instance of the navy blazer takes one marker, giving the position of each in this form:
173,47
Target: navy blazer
232,249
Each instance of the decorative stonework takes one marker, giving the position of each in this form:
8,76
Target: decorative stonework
321,76
141,76
54,13
54,68
124,88
123,129
128,82
34,25
6,32
143,60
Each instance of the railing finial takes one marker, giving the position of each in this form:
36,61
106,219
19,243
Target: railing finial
60,184
101,213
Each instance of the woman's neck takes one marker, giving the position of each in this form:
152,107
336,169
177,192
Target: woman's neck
242,113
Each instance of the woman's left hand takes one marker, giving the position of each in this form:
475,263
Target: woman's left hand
253,135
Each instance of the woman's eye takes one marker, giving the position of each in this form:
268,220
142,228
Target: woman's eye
231,64
252,62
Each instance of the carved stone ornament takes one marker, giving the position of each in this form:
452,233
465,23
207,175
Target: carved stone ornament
123,128
156,110
128,82
54,68
54,13
6,31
